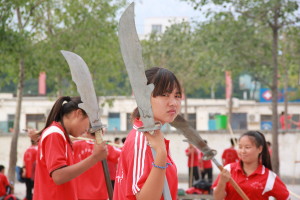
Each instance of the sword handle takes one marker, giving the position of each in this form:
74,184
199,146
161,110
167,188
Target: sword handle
98,136
232,182
109,187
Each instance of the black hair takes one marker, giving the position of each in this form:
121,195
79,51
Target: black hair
163,80
116,139
60,109
259,140
1,167
123,140
233,141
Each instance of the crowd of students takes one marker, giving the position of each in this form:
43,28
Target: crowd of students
72,170
199,168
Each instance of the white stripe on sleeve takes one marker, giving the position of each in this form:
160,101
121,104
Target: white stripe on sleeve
140,147
50,130
270,182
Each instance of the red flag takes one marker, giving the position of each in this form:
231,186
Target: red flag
228,84
42,83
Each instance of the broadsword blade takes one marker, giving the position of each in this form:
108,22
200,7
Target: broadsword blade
132,55
193,137
85,87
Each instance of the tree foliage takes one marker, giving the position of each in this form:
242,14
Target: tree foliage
175,50
274,15
87,28
34,32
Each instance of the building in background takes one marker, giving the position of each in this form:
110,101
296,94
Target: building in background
203,114
159,25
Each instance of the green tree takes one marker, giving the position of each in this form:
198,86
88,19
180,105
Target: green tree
17,56
289,62
89,29
32,34
274,14
174,49
222,41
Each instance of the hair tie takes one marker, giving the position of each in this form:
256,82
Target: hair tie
67,98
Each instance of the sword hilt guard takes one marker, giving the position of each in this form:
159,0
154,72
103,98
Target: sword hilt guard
151,130
209,155
98,134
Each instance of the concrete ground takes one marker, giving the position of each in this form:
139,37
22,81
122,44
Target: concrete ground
20,190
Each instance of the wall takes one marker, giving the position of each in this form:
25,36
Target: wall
125,105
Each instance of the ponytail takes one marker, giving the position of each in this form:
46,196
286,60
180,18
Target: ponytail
60,109
265,154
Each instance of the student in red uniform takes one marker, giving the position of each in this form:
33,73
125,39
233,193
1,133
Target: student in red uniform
139,175
4,184
284,126
91,184
55,168
112,162
193,162
29,160
253,173
206,168
230,154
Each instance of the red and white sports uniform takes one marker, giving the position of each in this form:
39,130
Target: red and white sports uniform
192,157
54,152
29,159
260,185
112,160
229,156
3,184
204,164
135,165
90,184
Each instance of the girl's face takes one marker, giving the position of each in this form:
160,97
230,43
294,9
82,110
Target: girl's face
166,106
247,151
80,124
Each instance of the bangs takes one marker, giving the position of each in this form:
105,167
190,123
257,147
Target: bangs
166,81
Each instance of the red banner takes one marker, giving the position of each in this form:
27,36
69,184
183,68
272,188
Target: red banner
42,83
228,81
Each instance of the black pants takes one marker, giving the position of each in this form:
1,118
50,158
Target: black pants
29,186
207,171
195,176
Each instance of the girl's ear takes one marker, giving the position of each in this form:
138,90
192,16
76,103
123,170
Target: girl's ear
78,113
260,149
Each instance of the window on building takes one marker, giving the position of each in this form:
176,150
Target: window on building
266,122
10,123
7,126
192,120
156,28
128,121
239,121
295,120
35,121
114,121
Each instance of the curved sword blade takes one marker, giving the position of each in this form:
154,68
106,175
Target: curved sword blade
85,87
132,55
